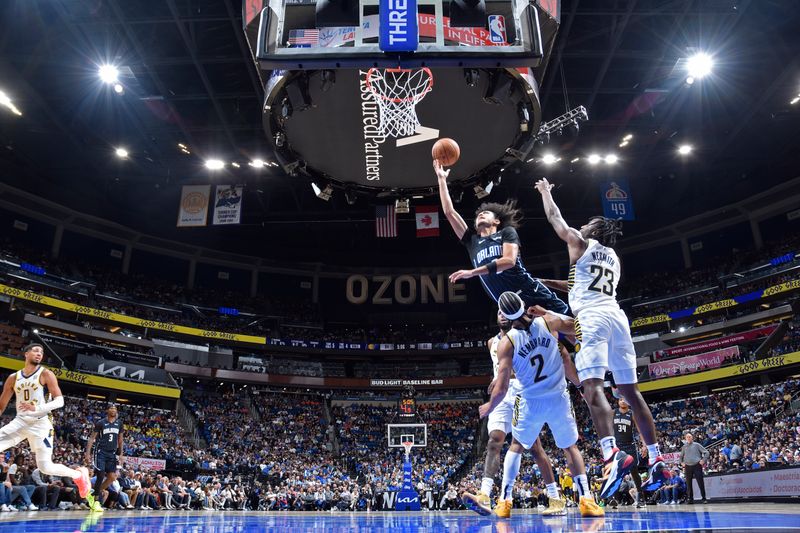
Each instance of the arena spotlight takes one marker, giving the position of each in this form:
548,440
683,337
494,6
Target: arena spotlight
611,159
794,100
689,80
628,137
108,74
322,194
235,164
214,164
593,159
699,66
6,102
257,163
119,89
122,153
549,159
685,149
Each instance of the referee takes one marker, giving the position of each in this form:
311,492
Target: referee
623,433
693,456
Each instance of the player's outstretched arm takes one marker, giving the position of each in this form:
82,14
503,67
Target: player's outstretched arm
505,353
571,236
556,284
8,391
455,220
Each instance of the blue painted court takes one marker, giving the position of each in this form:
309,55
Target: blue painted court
739,517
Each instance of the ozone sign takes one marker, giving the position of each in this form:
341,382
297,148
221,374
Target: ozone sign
399,31
404,289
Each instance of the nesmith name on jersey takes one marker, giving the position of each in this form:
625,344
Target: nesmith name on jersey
491,251
533,343
602,256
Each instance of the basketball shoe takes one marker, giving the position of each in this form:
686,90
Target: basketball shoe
588,507
556,507
480,503
83,483
614,471
503,508
657,474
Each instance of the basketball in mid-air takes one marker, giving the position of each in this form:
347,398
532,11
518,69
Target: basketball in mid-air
446,151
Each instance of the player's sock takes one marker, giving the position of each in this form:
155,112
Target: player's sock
607,444
486,485
510,471
582,484
653,452
552,490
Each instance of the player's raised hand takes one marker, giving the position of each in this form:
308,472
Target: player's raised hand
483,410
441,173
543,185
461,274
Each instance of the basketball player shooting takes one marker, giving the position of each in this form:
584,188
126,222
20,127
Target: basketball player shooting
33,421
604,338
493,245
530,350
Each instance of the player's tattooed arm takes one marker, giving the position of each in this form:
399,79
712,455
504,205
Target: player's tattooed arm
505,353
455,220
575,243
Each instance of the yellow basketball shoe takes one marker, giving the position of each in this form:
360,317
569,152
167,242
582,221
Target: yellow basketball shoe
557,507
480,503
588,507
503,508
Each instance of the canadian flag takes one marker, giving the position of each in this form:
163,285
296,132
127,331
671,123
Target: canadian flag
427,221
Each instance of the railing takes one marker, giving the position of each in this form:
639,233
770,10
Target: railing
189,422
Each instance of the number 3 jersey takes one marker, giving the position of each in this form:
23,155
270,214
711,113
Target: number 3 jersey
593,279
537,361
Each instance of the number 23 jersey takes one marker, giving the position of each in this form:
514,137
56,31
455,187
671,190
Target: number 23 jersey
537,360
593,279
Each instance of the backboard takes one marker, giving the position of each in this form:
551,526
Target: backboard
397,434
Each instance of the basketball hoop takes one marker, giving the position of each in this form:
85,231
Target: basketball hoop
408,446
397,91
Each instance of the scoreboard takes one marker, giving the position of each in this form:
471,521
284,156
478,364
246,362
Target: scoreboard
407,407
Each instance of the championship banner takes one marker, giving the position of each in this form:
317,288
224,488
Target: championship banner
740,338
788,286
693,363
616,198
194,206
754,484
145,463
227,204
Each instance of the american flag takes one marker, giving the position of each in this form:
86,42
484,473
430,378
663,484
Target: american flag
303,37
385,221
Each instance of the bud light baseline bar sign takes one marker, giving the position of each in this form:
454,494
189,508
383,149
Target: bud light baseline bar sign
399,31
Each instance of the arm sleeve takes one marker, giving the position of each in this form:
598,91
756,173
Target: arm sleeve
510,235
55,403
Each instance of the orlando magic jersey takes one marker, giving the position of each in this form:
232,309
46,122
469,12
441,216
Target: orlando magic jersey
28,389
108,435
484,250
537,360
623,427
594,277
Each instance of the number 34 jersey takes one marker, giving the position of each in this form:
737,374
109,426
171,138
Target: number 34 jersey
537,361
593,279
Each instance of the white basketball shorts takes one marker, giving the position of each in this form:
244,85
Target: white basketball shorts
604,343
39,434
555,410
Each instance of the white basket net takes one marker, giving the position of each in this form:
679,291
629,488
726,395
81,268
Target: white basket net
397,93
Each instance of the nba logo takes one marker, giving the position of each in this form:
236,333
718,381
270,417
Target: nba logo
497,29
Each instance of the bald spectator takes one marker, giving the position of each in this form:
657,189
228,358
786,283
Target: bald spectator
693,457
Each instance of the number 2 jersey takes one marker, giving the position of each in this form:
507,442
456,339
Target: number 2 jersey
593,279
537,361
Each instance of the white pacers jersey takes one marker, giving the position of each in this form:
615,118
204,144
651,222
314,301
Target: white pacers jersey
593,279
537,360
29,390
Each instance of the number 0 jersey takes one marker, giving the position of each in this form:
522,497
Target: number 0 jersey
594,277
537,360
28,389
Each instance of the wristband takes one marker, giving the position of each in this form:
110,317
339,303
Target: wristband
492,267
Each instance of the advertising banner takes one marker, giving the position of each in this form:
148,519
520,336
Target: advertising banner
692,363
745,336
754,484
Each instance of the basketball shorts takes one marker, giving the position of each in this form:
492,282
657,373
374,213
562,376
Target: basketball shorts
604,343
538,294
105,462
555,410
500,418
38,433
